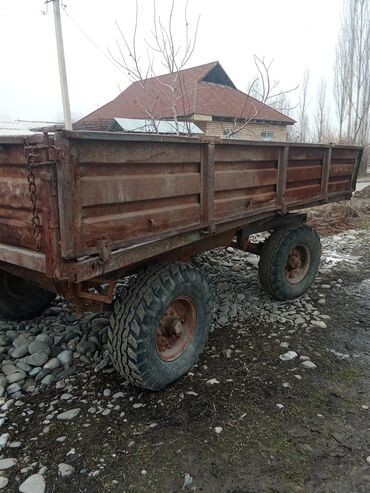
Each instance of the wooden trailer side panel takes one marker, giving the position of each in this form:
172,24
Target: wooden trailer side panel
319,173
342,166
116,190
246,178
125,197
28,238
122,193
15,203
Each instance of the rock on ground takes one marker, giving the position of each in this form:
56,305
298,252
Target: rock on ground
3,482
65,469
70,414
33,484
7,463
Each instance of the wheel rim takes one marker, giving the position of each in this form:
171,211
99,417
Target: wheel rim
297,264
18,287
176,328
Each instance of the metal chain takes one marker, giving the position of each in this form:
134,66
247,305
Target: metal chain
36,223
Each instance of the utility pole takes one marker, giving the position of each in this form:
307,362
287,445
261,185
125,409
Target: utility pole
62,66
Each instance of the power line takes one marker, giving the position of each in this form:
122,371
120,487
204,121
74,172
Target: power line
29,9
93,42
83,32
20,9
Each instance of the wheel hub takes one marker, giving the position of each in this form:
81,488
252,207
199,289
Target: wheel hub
297,264
176,328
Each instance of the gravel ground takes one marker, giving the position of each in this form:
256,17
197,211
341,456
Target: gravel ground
278,403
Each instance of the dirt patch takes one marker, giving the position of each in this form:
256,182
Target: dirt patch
332,218
265,425
243,420
362,194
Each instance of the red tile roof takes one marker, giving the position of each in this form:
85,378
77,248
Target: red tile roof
205,90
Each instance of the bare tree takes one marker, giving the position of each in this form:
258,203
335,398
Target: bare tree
322,131
302,130
263,91
163,49
282,103
352,73
340,90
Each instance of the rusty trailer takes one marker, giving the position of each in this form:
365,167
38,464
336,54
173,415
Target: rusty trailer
81,210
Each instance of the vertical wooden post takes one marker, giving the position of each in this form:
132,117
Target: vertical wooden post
356,169
282,177
207,165
326,173
50,222
68,196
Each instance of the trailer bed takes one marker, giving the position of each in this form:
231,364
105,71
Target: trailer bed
108,201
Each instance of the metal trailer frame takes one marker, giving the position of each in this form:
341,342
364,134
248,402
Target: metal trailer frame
70,263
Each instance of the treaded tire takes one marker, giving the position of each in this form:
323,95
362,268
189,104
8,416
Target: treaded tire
23,303
134,322
273,259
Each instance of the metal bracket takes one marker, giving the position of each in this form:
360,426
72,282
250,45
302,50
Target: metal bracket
55,153
273,223
105,251
104,288
43,154
210,230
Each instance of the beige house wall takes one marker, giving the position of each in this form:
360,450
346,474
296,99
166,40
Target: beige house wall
252,131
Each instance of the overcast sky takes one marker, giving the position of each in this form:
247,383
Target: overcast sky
296,34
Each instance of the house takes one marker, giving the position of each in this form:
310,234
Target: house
204,95
26,127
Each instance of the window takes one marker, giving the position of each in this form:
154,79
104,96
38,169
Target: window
267,136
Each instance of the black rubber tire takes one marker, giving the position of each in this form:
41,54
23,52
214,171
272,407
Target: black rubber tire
23,306
273,259
134,322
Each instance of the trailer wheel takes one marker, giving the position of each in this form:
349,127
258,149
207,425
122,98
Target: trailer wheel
289,261
160,325
21,299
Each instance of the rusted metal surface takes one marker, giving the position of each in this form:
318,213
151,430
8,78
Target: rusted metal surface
282,177
245,180
126,194
24,257
322,173
176,328
297,264
98,290
208,186
180,247
325,172
22,195
109,202
267,224
15,205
